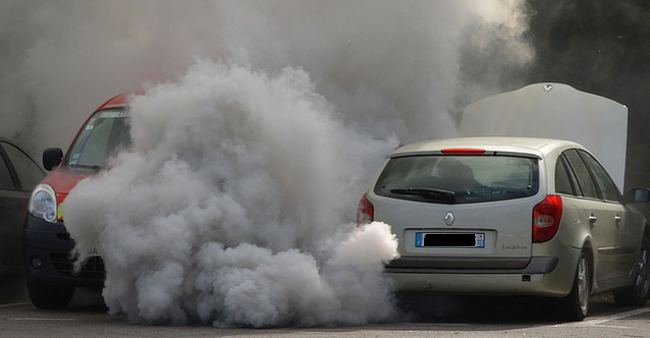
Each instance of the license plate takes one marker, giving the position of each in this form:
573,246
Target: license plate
456,240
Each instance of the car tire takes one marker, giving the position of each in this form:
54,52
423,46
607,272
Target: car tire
637,293
575,306
48,296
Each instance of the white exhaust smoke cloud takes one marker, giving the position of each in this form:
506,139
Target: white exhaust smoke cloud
230,208
234,205
388,67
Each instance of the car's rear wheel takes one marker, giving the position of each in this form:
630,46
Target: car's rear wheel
575,306
48,296
637,293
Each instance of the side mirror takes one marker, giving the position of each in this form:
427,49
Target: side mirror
638,195
52,158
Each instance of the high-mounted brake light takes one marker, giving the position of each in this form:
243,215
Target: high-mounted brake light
463,151
546,218
365,211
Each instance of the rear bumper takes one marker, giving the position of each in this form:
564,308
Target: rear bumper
47,261
473,265
542,276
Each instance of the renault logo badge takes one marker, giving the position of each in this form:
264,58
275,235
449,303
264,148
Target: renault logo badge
449,218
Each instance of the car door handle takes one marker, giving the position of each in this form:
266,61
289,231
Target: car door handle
592,220
618,219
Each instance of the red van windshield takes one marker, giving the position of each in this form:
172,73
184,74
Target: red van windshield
105,134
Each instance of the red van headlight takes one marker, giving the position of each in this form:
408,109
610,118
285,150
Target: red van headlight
42,204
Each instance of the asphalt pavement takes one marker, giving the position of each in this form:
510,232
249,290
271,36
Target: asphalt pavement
440,316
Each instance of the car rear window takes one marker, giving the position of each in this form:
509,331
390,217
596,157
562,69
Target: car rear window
458,179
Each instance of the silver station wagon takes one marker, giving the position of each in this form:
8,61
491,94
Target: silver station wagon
511,216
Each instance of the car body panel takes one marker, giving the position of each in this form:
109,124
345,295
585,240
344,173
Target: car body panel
12,211
63,180
408,217
555,110
52,244
14,195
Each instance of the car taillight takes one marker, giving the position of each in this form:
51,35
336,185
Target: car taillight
365,211
546,218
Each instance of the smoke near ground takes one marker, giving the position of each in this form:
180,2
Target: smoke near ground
230,207
261,126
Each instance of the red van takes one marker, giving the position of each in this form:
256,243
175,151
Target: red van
47,245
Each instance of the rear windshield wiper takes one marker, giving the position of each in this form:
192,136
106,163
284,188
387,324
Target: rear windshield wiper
429,193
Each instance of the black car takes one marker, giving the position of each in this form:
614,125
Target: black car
19,174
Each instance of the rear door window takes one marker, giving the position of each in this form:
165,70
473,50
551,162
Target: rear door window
459,179
604,183
564,183
6,182
585,180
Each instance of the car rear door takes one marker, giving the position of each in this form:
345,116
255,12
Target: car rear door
12,208
18,176
626,246
603,214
